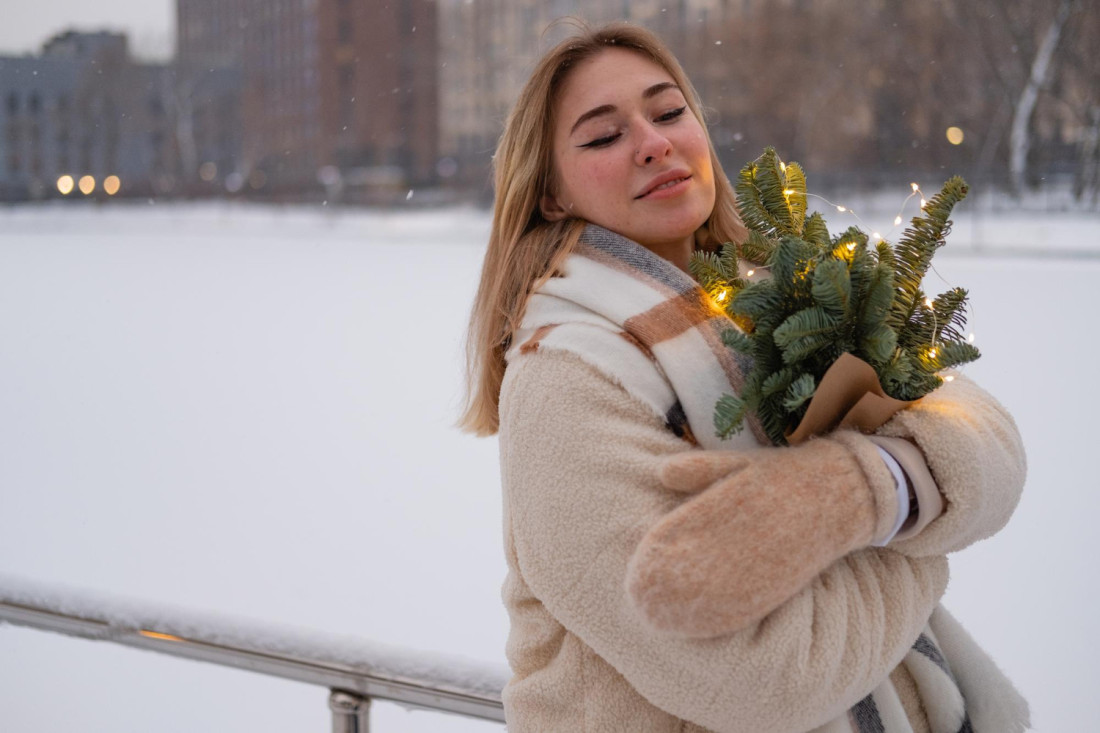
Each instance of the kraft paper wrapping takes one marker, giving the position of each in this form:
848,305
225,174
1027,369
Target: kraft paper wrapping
849,396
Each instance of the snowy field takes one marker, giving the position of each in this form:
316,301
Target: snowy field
248,410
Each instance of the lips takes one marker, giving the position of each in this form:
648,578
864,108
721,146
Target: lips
663,181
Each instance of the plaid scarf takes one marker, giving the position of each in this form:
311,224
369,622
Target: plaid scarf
651,328
667,347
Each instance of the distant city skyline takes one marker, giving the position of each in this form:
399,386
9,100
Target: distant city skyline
149,24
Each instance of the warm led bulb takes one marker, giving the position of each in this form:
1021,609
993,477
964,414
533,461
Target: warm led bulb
932,354
915,187
841,209
949,379
928,302
750,273
788,191
876,235
923,203
970,338
897,220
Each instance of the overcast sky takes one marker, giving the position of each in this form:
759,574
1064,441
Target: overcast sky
151,24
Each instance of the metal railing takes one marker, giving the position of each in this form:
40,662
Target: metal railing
354,671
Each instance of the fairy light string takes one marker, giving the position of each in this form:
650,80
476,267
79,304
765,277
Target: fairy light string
915,191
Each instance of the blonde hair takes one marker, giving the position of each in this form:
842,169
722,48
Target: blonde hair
524,247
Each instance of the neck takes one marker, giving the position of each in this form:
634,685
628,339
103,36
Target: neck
676,252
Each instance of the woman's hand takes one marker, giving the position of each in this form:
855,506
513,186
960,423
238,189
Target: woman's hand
762,524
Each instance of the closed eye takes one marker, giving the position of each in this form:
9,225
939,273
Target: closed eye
672,114
601,141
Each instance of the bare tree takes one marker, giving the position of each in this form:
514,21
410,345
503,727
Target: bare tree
1020,138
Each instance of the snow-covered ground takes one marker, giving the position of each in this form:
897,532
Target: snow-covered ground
249,409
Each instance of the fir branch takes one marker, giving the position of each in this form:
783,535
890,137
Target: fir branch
950,354
708,269
758,248
826,296
896,372
919,242
878,344
736,340
806,332
800,392
760,196
791,267
756,300
777,383
729,415
794,193
832,287
815,231
728,263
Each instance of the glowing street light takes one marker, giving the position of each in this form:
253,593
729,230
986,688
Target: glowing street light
111,184
65,185
86,184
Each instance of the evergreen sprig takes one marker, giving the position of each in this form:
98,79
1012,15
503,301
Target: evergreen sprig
828,295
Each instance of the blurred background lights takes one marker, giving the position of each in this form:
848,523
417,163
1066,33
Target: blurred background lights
234,182
954,135
208,171
65,185
111,184
86,184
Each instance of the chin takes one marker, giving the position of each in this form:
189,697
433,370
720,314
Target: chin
670,229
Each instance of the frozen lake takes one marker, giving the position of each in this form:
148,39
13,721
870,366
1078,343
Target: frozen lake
249,410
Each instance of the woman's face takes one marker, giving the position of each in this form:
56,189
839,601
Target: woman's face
630,155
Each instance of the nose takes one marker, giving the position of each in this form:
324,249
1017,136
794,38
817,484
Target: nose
652,147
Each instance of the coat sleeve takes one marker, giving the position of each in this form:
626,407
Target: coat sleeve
579,462
976,457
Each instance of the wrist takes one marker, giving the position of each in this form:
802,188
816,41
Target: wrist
906,500
928,504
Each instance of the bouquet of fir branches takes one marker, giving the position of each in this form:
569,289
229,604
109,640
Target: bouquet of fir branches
832,309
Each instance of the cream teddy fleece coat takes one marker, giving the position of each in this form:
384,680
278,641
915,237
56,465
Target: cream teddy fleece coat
580,461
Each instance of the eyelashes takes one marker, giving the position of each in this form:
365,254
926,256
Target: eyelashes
606,140
602,141
672,114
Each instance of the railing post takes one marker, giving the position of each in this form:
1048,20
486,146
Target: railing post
350,712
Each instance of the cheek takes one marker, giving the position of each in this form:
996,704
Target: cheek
697,142
604,173
593,179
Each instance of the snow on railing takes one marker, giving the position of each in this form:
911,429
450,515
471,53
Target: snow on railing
355,670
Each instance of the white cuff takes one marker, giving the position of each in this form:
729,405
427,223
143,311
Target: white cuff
901,484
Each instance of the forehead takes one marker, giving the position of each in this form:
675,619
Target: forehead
613,76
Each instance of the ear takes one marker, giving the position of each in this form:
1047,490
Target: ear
551,209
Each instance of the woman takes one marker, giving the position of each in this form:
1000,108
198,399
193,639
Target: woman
658,580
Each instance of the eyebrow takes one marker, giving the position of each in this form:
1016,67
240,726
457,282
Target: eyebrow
604,109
